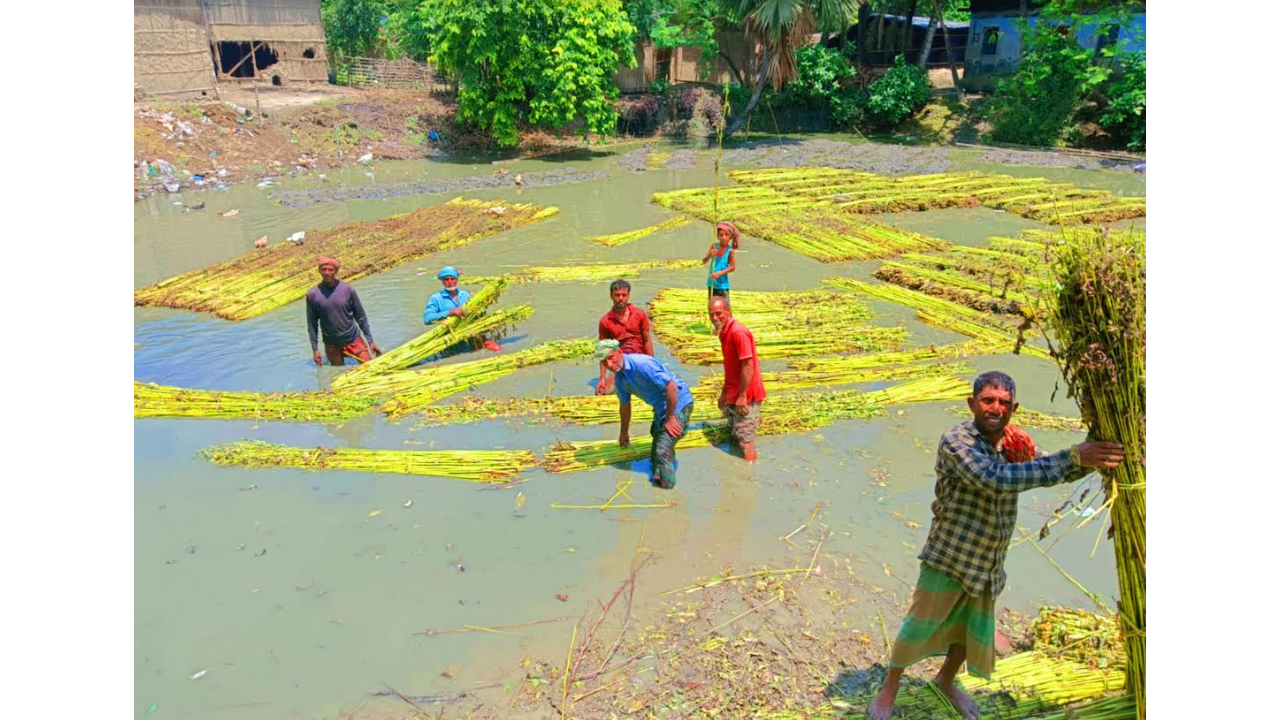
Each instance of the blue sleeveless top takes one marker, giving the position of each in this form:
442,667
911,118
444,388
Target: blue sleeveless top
718,263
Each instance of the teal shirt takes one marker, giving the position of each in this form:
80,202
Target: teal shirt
719,263
441,303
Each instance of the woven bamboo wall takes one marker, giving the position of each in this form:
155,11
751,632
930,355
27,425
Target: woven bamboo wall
171,49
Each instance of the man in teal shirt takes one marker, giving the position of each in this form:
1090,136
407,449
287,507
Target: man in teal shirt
451,302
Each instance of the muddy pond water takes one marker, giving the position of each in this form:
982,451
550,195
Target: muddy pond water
280,593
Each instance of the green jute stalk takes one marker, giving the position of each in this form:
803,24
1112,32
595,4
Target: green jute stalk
1099,327
1026,685
151,401
633,235
412,390
596,271
482,466
445,334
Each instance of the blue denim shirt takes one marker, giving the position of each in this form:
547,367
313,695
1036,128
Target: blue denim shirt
642,375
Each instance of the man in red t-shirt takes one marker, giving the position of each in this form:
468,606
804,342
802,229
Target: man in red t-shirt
625,323
743,390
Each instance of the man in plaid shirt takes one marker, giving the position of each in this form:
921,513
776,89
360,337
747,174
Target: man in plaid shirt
980,475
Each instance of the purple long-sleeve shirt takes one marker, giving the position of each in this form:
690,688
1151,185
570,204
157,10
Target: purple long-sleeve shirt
336,310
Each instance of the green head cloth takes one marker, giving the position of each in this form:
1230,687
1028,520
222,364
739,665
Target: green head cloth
605,348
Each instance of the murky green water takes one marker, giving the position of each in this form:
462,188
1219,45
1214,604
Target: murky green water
327,613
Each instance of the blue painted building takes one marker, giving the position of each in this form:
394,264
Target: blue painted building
995,39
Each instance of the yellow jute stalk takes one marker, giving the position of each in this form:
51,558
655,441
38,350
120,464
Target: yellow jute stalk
487,466
264,280
151,401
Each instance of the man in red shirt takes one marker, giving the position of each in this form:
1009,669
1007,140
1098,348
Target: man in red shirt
743,390
628,325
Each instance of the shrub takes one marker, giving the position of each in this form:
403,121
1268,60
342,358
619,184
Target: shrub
1037,104
847,109
820,73
1126,114
640,117
896,96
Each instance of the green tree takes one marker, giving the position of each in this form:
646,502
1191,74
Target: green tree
549,63
781,27
351,27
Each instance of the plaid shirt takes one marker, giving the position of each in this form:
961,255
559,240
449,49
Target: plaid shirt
977,505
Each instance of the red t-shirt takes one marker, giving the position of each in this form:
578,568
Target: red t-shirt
738,344
630,336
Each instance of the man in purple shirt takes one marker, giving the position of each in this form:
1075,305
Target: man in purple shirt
334,306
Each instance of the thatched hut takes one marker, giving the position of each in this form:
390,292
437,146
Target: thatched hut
186,47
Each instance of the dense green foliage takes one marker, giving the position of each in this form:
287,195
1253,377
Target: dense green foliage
1126,113
351,27
897,95
820,73
549,63
1037,104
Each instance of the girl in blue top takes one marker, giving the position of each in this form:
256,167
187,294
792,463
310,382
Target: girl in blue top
721,255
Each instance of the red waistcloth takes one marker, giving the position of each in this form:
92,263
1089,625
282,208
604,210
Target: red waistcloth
356,349
630,335
1017,445
738,344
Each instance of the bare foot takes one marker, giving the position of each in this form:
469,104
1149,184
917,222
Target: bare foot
492,346
960,699
749,452
882,707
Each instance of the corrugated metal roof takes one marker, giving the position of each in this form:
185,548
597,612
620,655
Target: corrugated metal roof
922,21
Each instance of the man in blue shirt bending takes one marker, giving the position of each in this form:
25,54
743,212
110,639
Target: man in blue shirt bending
637,374
450,302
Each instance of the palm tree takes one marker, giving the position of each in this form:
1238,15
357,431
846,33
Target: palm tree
782,26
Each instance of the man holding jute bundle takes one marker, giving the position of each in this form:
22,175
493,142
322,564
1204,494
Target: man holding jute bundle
982,466
743,390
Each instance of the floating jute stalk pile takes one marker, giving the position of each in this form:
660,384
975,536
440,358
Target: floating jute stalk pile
411,390
785,413
1033,419
986,280
150,401
784,324
811,227
987,329
483,466
1099,326
802,379
264,280
632,235
869,361
443,335
1026,685
860,192
595,271
578,409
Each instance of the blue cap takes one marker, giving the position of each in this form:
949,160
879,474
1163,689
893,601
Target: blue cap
445,272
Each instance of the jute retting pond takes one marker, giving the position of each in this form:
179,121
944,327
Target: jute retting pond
436,529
